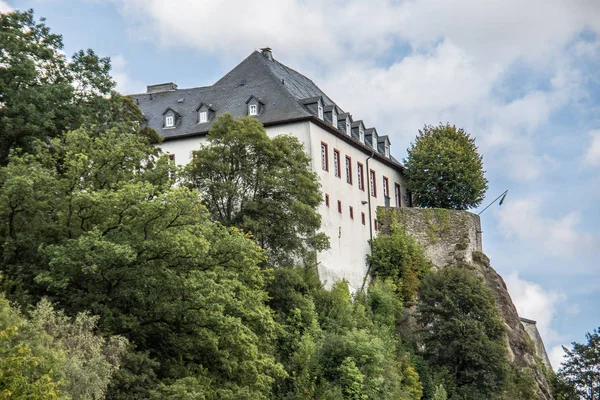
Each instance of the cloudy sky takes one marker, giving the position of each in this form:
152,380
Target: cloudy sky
521,76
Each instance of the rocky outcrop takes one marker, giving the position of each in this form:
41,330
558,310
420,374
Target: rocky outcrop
452,237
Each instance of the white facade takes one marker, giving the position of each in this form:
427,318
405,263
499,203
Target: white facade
348,235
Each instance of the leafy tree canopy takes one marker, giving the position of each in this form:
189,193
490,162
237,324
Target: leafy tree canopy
579,373
397,256
260,185
444,169
463,334
43,94
94,222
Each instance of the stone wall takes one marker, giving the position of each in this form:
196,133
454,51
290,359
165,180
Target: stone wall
532,330
451,237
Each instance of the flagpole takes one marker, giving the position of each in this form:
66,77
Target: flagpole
503,195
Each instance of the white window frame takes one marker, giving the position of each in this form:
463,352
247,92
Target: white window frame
320,110
386,187
324,160
348,128
336,163
334,120
372,183
348,170
360,173
169,121
374,142
387,150
361,135
203,117
253,109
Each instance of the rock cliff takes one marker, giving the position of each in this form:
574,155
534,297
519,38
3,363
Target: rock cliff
452,237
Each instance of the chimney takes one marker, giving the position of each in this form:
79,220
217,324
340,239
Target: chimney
161,87
267,53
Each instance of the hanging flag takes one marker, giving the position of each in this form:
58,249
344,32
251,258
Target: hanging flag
502,199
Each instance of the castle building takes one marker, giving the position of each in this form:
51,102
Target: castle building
354,163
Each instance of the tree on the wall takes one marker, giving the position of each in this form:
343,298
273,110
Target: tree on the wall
260,185
444,169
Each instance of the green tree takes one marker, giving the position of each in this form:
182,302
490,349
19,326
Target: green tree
261,185
43,94
51,356
580,371
398,256
463,334
94,222
444,169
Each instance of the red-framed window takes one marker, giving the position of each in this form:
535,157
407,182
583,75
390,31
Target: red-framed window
349,170
172,157
360,170
386,187
337,169
324,156
362,217
373,183
376,225
398,194
340,206
327,200
351,212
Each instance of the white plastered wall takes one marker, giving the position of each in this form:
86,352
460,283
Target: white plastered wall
346,259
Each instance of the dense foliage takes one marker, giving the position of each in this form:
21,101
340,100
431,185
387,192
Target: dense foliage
463,334
261,185
397,256
579,374
43,94
444,169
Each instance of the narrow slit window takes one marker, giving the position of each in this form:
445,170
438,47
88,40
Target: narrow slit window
398,195
362,217
351,212
327,200
340,206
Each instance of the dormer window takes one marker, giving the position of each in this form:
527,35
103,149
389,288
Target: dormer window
252,109
387,150
320,110
348,128
203,117
361,135
334,120
374,142
169,121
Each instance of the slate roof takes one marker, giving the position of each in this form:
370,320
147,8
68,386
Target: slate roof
282,91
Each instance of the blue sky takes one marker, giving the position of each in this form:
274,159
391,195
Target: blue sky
519,76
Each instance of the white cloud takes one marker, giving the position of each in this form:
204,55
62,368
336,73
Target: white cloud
4,7
534,302
459,54
556,356
592,156
522,219
125,84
